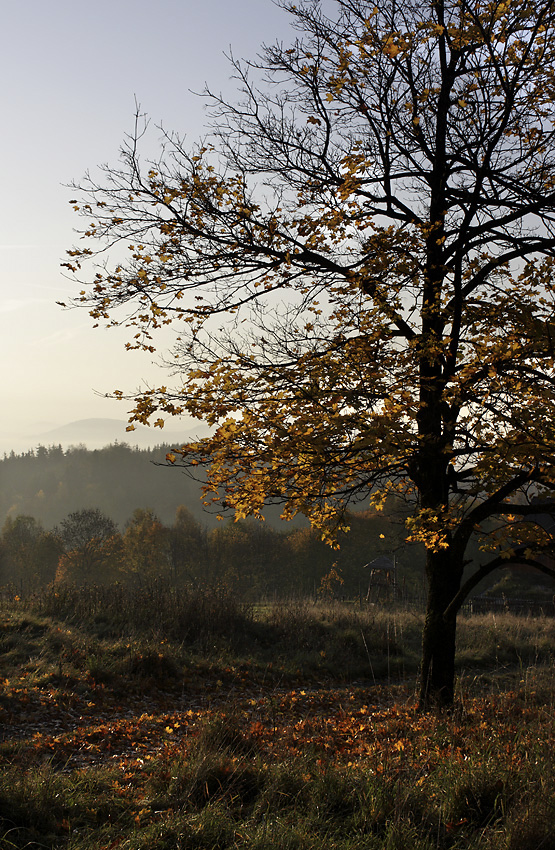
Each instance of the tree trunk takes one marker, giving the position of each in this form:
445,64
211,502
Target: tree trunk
437,685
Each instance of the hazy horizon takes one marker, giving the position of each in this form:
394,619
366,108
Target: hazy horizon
98,432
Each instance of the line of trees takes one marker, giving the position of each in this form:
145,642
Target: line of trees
87,547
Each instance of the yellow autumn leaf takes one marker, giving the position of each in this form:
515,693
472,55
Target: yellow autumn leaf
390,48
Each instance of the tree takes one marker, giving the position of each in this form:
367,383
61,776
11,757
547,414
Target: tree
147,546
29,553
93,547
248,556
360,261
187,547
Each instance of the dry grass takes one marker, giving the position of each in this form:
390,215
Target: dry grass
287,726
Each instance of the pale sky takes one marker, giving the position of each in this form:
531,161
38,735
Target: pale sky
71,72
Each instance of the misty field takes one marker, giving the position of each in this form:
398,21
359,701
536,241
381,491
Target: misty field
156,718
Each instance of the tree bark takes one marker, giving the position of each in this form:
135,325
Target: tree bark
437,684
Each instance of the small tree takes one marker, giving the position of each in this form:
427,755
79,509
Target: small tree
187,546
147,546
93,547
361,261
29,554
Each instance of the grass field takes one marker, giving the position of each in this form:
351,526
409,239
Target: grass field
164,719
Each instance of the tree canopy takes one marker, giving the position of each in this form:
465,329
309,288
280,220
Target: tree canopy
360,263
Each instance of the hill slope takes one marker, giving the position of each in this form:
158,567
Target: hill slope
49,483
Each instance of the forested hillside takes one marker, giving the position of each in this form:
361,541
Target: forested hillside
49,483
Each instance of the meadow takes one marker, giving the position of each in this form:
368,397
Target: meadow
157,718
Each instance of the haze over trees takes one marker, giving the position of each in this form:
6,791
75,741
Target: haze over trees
360,263
49,483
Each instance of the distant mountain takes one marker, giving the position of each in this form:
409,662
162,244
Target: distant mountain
97,433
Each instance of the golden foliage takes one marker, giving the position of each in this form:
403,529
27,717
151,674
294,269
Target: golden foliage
379,317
